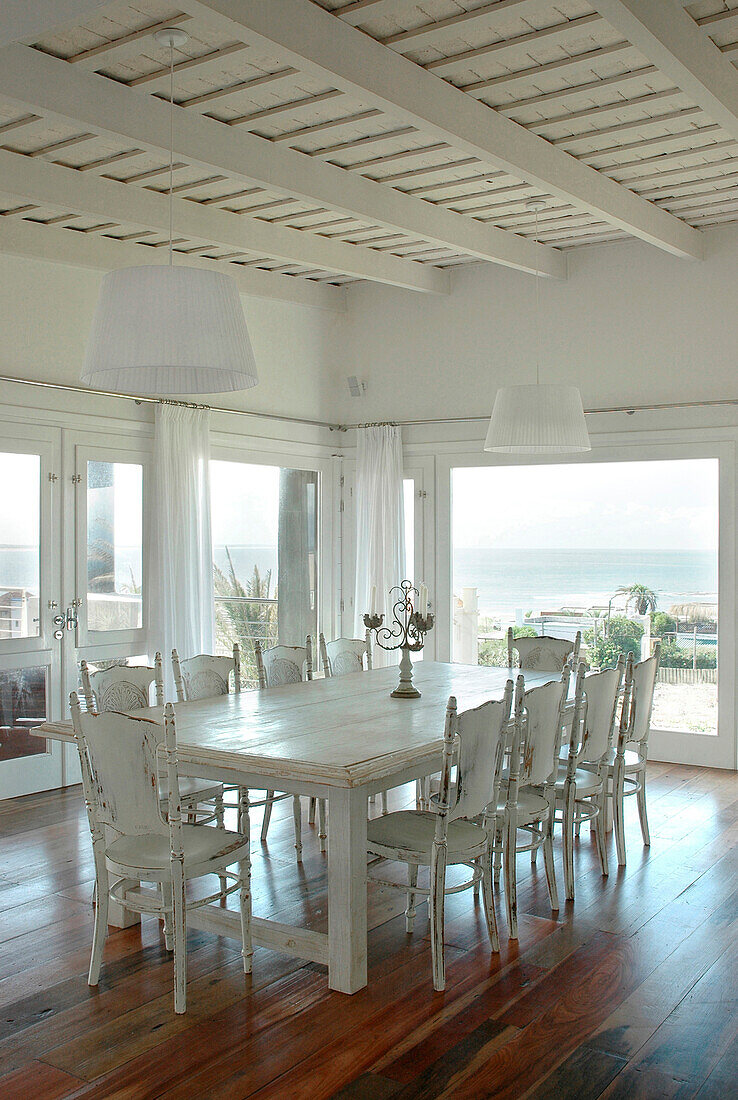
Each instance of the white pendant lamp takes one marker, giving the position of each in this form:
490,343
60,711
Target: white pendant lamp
537,419
166,330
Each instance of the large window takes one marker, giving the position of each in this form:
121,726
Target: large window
626,552
20,545
265,560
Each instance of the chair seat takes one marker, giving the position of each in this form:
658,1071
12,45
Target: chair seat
587,783
206,847
633,760
199,790
411,833
531,805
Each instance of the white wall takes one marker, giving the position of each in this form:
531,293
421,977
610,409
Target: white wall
46,311
631,323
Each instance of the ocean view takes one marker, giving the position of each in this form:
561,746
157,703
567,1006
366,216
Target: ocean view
507,580
537,580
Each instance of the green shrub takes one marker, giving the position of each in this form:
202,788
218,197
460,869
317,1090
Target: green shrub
623,636
673,656
661,624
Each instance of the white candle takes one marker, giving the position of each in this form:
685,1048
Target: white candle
423,600
373,600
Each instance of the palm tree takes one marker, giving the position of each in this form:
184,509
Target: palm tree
644,599
239,620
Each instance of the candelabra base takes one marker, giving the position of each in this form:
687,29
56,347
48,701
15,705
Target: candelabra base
406,689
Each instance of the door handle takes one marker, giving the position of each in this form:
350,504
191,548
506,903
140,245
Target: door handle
59,620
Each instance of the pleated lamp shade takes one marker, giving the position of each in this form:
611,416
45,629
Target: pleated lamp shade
537,420
169,330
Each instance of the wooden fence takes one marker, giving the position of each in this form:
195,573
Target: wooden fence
687,675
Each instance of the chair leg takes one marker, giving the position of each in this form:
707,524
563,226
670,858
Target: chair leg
489,902
311,811
497,855
244,882
618,783
101,913
568,840
179,921
511,883
412,881
297,817
166,897
600,824
219,812
385,811
267,815
436,912
321,823
642,812
548,860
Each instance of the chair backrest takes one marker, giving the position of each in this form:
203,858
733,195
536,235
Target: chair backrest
284,664
638,703
122,687
542,654
481,737
344,655
205,676
538,721
600,691
120,756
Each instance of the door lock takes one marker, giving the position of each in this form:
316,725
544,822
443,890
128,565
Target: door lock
59,620
58,634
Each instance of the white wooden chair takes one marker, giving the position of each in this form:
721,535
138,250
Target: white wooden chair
339,658
458,830
344,655
542,654
276,667
206,676
625,767
132,840
581,785
527,801
127,688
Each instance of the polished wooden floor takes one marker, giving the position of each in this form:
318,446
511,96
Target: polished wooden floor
631,992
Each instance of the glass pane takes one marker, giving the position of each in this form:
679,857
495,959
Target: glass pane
114,545
625,552
265,560
22,706
20,546
408,492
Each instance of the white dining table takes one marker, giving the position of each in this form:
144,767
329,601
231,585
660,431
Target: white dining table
343,739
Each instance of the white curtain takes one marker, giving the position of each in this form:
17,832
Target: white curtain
180,555
380,524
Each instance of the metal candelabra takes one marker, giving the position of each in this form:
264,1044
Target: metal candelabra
407,633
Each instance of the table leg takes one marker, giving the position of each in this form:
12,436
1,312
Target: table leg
347,889
118,916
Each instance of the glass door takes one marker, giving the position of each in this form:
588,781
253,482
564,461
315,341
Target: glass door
33,622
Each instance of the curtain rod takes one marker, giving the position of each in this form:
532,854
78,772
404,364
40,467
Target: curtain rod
143,399
628,409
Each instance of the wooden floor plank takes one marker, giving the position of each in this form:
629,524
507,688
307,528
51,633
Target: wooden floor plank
628,992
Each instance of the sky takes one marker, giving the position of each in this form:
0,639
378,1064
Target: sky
637,505
612,505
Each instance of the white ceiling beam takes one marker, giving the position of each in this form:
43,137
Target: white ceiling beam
314,41
485,18
56,245
24,21
62,92
54,185
670,38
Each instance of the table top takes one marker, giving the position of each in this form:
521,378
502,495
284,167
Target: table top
341,731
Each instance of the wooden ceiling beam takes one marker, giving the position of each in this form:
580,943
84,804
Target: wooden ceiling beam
62,92
104,253
669,37
322,46
54,185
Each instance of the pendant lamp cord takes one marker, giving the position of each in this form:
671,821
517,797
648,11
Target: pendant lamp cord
538,313
171,150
